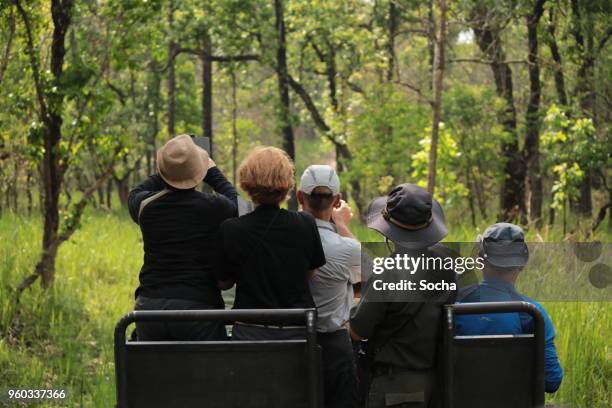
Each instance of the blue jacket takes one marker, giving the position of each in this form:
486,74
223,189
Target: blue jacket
495,290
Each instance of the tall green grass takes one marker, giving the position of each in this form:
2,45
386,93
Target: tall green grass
62,337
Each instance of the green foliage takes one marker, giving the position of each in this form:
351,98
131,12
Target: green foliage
113,99
383,136
572,148
449,190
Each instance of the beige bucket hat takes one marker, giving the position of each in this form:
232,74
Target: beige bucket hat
181,163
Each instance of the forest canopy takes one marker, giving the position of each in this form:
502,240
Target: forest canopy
501,108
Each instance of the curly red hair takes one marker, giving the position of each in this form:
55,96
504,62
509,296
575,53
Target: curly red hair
267,175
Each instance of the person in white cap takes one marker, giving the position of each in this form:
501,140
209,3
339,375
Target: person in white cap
180,228
332,285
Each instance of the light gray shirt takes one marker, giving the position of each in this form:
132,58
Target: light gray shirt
332,284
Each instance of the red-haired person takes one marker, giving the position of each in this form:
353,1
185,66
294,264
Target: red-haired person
270,253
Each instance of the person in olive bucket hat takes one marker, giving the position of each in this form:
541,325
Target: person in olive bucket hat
399,364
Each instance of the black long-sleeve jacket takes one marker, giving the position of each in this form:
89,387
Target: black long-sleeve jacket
180,232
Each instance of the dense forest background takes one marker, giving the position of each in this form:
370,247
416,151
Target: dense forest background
501,108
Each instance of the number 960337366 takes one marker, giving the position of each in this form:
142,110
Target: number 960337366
25,394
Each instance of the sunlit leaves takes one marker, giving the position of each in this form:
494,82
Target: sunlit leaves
449,188
572,147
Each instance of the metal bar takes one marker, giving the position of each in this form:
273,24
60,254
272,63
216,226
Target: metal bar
311,339
449,331
538,320
121,379
495,307
243,315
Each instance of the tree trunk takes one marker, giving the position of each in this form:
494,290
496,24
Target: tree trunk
50,115
512,203
431,35
585,92
52,171
29,191
532,117
100,195
234,128
559,80
172,47
1,192
154,88
207,91
331,74
437,83
7,195
123,189
6,56
15,186
558,63
343,152
391,34
109,194
283,91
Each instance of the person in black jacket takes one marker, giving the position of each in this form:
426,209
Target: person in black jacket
180,232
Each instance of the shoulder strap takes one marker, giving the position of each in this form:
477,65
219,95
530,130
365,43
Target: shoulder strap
398,329
148,200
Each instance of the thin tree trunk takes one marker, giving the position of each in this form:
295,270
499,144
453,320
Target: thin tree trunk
584,91
6,57
391,34
558,63
437,83
109,194
50,116
343,151
15,186
123,189
52,171
559,80
470,184
431,35
172,46
155,89
29,191
207,91
283,91
234,128
512,195
331,73
532,116
100,192
7,194
1,192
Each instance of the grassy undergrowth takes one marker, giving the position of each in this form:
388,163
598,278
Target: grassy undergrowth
62,337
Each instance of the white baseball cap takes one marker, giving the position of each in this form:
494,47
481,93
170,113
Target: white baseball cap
319,175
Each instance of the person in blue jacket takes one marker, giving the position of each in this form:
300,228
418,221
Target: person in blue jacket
505,254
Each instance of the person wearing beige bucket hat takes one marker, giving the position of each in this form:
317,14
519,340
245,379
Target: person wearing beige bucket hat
180,227
181,163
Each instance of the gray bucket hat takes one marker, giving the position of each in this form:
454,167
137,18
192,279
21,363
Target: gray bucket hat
503,245
408,214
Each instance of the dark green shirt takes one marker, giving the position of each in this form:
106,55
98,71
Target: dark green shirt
404,334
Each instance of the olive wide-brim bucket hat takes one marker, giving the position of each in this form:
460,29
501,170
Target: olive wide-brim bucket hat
407,214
